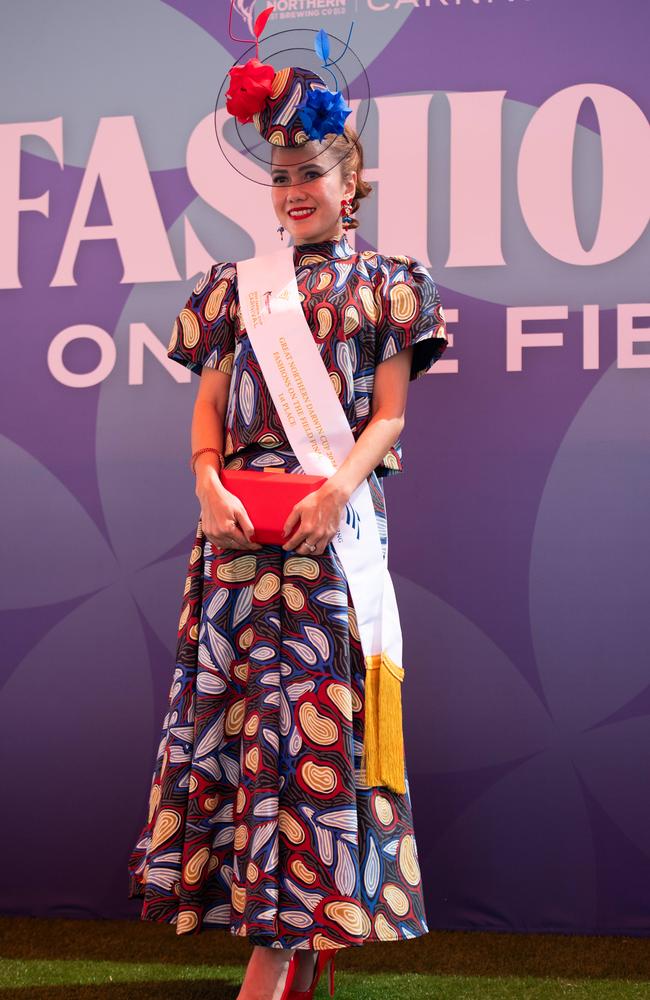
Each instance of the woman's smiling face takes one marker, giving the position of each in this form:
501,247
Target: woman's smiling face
313,186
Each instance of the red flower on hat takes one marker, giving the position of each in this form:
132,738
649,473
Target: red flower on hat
250,86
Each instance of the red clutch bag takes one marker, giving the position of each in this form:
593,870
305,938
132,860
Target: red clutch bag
269,497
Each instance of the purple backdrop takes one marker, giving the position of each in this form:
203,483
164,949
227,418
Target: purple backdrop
519,533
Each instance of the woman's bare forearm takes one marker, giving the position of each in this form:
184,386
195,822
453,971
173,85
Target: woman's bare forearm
373,443
207,432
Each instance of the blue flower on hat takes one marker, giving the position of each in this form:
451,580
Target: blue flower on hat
323,111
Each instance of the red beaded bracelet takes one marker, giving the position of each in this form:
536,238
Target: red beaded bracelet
200,451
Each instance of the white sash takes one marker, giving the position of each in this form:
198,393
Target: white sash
321,438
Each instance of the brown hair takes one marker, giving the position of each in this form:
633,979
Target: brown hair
352,160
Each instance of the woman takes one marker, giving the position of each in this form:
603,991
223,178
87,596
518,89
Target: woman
260,819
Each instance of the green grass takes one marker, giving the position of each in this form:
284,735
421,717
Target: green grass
134,960
54,978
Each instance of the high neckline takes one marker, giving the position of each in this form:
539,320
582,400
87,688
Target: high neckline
322,250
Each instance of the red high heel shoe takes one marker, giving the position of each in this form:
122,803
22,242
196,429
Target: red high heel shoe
324,958
291,971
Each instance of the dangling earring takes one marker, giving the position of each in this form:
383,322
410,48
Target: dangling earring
280,230
346,208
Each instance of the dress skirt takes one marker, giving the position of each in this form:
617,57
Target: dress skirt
260,821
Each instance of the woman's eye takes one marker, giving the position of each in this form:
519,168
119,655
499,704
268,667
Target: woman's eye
310,173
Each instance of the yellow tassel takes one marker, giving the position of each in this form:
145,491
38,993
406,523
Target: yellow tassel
383,748
371,734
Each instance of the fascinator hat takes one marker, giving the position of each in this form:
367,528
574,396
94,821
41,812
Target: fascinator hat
270,103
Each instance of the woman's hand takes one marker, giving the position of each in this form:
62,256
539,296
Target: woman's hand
223,516
315,518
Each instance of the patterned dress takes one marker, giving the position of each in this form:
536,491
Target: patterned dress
260,820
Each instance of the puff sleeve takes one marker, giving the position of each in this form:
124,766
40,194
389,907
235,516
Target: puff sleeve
203,334
411,315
